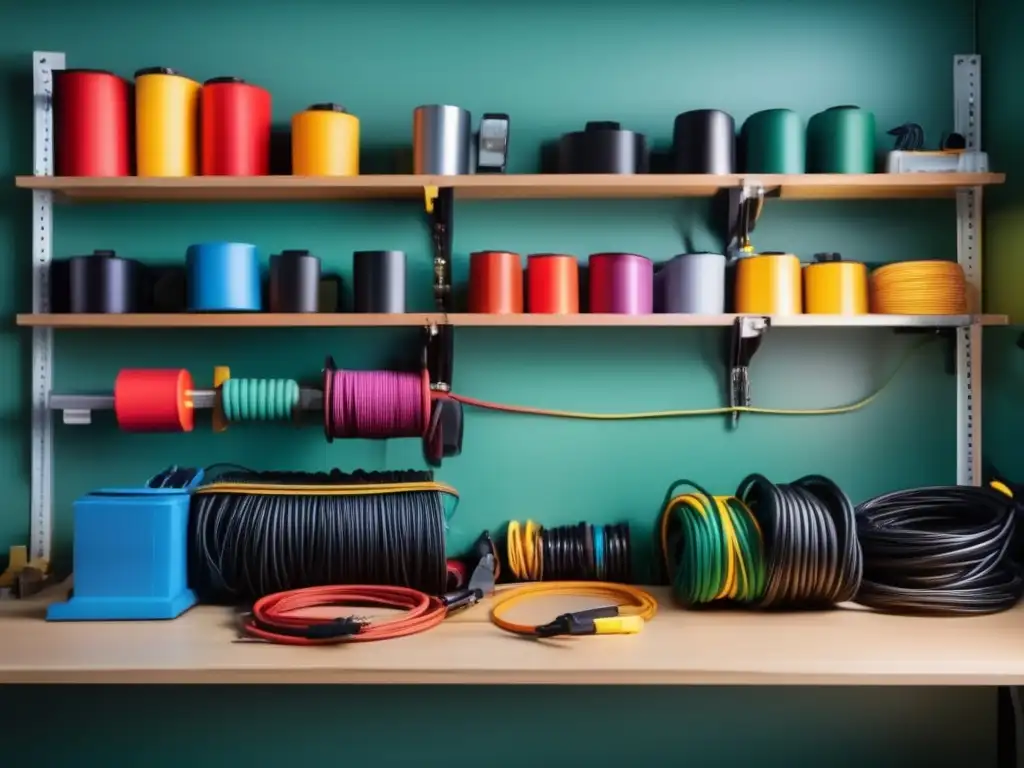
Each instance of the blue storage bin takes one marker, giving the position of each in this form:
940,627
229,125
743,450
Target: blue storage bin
130,555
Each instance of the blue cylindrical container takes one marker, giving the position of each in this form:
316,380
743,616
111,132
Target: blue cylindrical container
223,277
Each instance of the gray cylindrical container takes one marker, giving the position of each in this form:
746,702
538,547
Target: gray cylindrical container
378,281
692,283
441,139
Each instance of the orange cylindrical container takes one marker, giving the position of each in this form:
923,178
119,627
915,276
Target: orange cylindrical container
154,400
769,284
166,123
552,284
325,142
495,283
835,287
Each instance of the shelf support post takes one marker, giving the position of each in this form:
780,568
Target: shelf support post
745,340
967,122
41,484
439,204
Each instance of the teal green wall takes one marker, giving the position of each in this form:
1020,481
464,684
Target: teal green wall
552,66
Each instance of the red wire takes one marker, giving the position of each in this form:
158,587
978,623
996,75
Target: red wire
422,612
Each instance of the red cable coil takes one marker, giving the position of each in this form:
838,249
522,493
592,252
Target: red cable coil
273,617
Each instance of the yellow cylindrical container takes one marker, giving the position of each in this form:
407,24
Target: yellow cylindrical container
166,123
768,284
835,287
325,142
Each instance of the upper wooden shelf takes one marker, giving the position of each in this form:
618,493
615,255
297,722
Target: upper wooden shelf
507,187
839,647
269,320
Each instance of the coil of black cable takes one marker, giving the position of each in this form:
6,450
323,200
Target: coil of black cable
940,550
810,534
243,546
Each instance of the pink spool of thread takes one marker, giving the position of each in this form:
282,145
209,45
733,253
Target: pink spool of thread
621,284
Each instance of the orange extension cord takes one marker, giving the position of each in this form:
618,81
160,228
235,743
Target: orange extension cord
273,617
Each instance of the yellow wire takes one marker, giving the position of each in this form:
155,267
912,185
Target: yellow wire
370,489
631,600
720,411
524,550
925,287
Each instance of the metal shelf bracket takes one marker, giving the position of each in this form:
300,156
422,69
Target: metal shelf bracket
967,122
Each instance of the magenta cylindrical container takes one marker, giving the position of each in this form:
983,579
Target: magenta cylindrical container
621,284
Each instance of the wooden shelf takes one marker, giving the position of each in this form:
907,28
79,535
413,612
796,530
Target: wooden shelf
507,187
840,647
268,320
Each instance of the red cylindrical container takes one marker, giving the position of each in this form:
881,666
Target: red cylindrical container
621,283
154,400
553,284
235,119
91,123
495,283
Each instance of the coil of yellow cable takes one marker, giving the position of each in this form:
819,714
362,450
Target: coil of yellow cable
629,608
919,288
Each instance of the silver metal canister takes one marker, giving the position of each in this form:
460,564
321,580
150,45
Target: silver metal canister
441,140
692,283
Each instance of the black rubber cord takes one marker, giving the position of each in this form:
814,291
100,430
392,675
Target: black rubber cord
809,529
939,551
245,546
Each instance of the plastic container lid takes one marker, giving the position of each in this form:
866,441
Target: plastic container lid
225,79
327,106
157,71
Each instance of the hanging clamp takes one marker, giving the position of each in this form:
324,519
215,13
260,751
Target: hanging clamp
745,205
747,333
438,203
443,436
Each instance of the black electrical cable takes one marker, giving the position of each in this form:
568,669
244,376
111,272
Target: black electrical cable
243,546
581,552
940,551
810,534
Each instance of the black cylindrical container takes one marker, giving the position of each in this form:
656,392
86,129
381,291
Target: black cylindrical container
103,283
294,282
378,281
603,147
704,141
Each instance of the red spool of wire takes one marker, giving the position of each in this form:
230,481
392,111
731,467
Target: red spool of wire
91,123
154,400
235,128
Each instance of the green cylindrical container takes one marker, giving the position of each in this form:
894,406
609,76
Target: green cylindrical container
773,142
841,140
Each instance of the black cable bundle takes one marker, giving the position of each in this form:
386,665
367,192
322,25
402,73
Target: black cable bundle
580,552
810,535
231,473
939,551
244,545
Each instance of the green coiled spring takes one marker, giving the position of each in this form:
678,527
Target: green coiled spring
259,399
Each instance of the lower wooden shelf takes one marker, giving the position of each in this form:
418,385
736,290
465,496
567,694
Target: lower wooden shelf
269,320
840,647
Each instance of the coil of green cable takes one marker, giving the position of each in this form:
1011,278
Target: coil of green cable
259,399
712,547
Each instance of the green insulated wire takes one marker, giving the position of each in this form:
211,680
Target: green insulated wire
713,548
259,399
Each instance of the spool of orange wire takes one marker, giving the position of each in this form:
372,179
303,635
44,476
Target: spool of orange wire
280,617
154,400
919,288
553,284
496,283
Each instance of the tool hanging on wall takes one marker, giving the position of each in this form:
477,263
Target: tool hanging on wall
443,436
439,204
